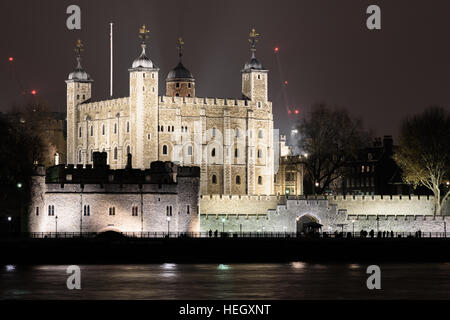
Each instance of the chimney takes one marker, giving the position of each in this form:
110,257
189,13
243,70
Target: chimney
388,144
99,159
129,166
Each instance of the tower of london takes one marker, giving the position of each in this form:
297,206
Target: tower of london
230,140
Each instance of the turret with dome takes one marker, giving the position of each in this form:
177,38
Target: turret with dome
254,76
79,74
179,81
143,62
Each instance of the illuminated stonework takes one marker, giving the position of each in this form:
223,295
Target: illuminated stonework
231,140
97,199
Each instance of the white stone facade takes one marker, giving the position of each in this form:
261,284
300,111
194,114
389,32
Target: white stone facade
276,214
231,140
66,206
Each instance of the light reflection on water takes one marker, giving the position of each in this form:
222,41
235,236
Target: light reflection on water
296,280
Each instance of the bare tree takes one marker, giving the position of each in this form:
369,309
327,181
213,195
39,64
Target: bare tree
329,137
424,153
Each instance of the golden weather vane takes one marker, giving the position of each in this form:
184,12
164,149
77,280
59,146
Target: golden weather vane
143,32
180,44
79,47
253,38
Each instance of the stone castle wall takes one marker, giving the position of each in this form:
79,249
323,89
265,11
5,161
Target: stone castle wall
152,202
246,214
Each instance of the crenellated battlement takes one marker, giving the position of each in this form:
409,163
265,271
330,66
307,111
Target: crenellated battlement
105,104
177,102
383,198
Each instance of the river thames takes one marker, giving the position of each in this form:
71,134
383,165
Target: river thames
296,280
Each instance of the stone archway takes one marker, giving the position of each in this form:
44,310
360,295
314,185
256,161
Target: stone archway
302,221
110,229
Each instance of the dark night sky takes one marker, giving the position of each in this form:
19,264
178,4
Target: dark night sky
326,52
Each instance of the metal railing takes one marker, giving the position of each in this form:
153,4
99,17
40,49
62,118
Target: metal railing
217,234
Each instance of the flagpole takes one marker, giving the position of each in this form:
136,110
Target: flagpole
111,59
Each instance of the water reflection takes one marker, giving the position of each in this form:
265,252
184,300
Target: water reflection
10,268
298,265
295,280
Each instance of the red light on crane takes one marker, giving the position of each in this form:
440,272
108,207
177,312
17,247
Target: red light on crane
11,59
285,83
289,112
33,92
276,49
297,111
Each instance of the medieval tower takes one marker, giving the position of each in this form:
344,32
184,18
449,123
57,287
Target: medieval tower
231,140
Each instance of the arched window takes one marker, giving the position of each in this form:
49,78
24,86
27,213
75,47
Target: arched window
236,153
103,129
164,150
91,154
115,153
238,179
260,134
80,132
115,128
80,156
237,132
259,153
112,211
259,180
92,131
213,152
87,210
134,211
214,179
189,151
128,126
128,150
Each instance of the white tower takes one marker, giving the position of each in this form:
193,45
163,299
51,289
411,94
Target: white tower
144,107
79,89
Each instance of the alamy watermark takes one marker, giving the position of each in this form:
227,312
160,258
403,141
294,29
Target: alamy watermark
374,280
374,20
73,22
74,280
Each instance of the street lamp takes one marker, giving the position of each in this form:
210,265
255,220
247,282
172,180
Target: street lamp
56,226
168,226
19,185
